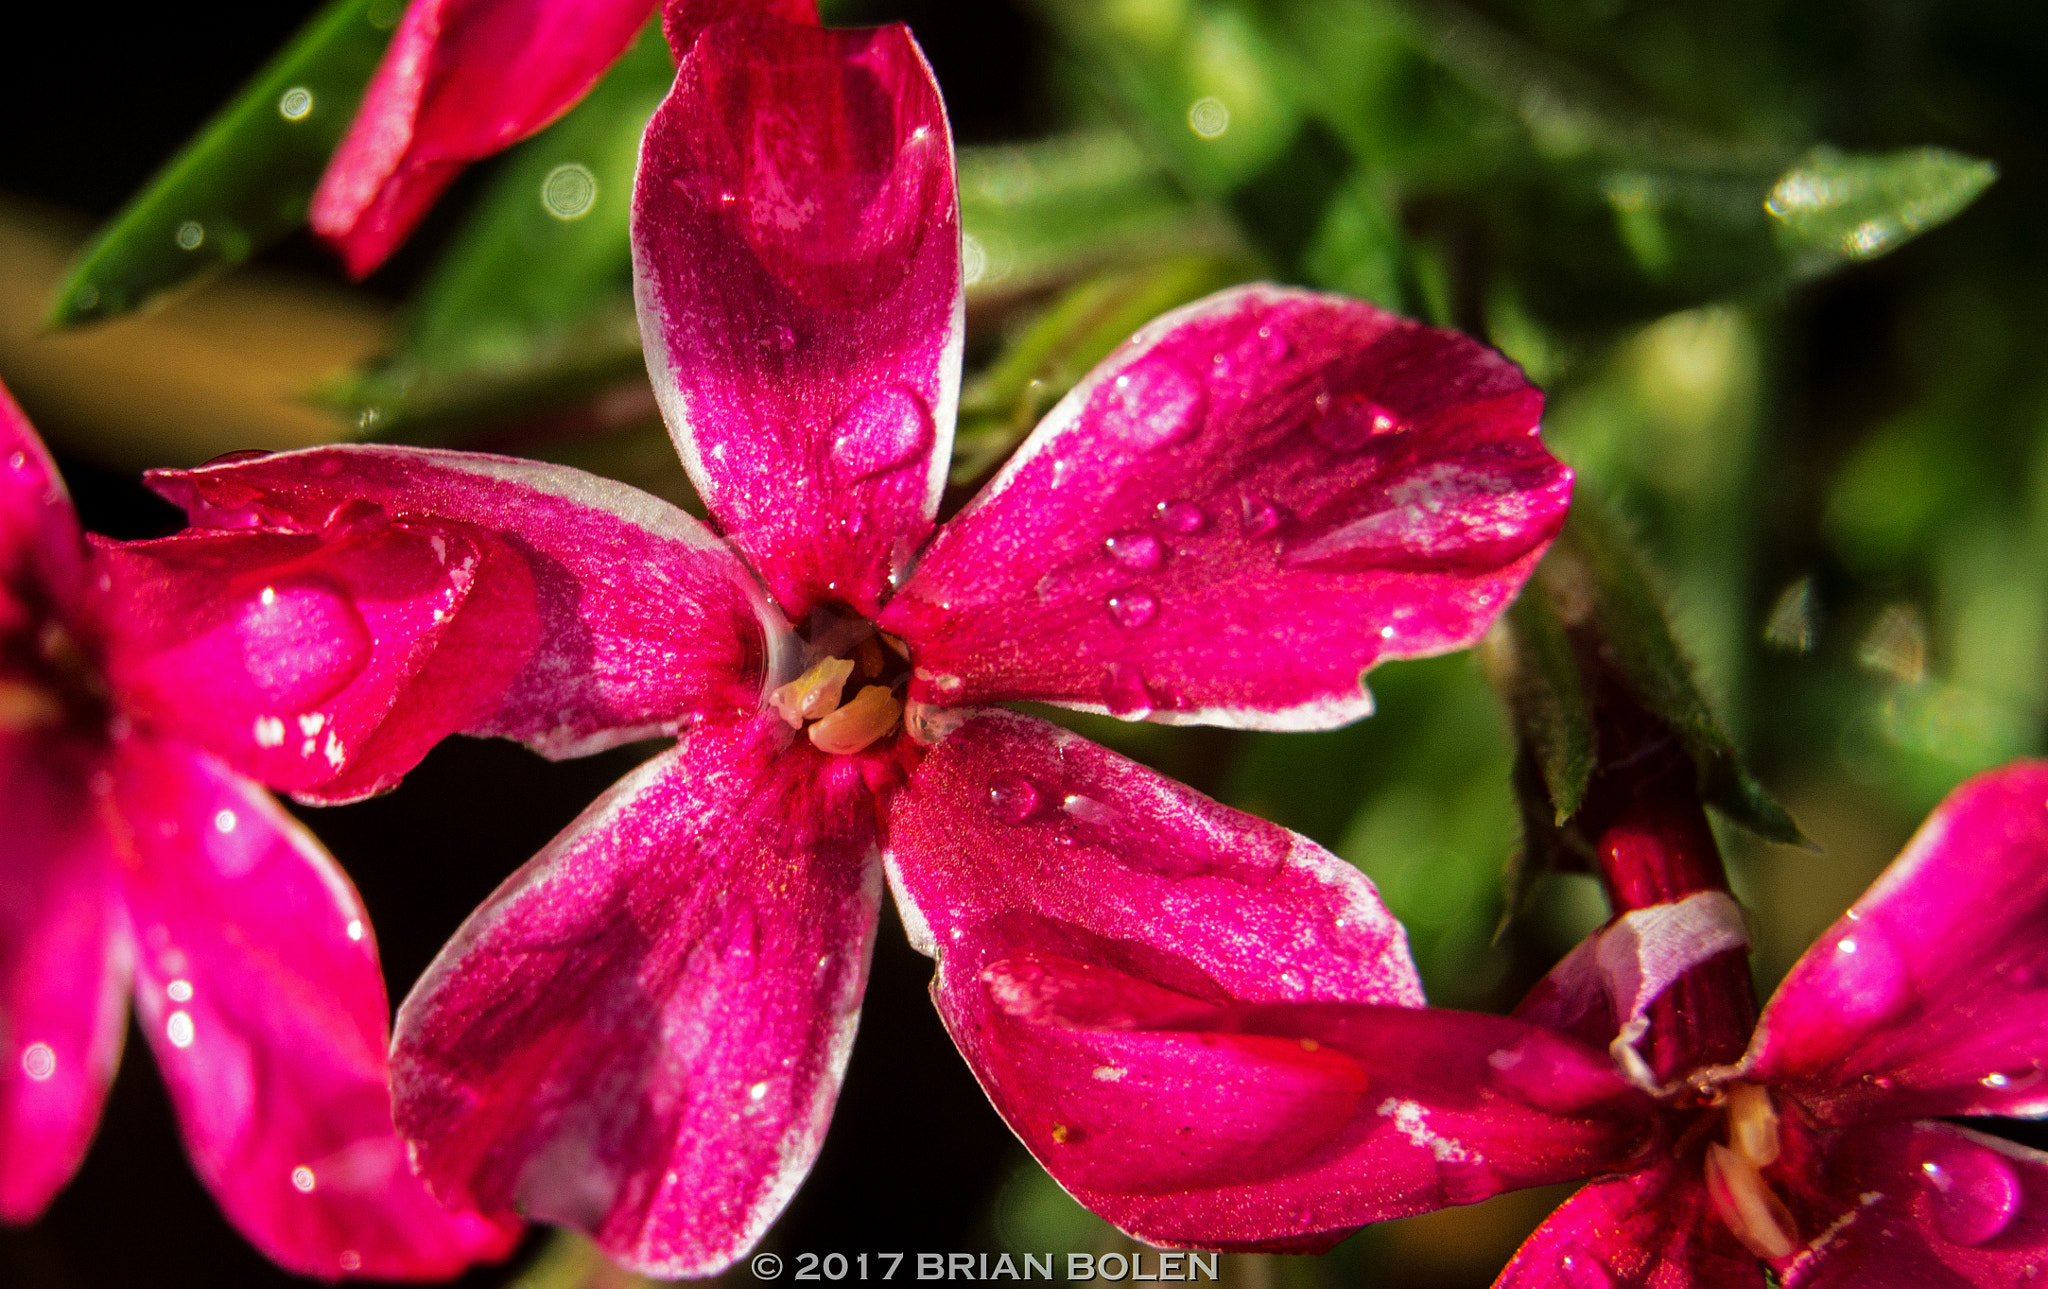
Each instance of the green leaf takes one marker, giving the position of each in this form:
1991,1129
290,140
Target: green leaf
244,182
532,304
999,407
1529,658
1043,212
1834,207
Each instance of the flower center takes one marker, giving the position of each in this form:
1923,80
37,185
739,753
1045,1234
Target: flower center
846,651
1735,1174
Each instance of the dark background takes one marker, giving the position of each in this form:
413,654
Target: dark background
94,102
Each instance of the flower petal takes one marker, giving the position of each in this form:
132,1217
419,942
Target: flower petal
1930,995
1924,1205
1281,1126
796,249
257,985
1653,1229
1256,498
1011,817
629,615
64,963
462,79
643,1031
681,20
40,543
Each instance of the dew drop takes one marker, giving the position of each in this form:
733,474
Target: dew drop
1125,693
1181,517
302,643
1132,608
1139,552
1260,517
1870,976
17,460
881,432
1973,1193
1012,798
1274,346
1347,422
1152,404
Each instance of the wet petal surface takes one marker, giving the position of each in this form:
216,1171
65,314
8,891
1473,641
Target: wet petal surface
257,986
796,252
1653,1229
1254,500
1930,995
643,1031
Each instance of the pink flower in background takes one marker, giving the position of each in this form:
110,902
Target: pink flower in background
1814,1147
462,79
643,1032
132,858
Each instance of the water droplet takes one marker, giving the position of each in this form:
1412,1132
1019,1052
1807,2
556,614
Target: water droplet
1973,1192
1260,517
39,1062
1274,344
17,460
1152,403
1140,552
1870,976
1086,809
1012,798
1132,608
1125,693
569,191
179,1029
888,428
1347,422
295,104
302,1180
1181,516
190,235
301,644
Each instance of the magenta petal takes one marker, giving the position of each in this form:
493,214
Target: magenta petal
796,247
681,20
1011,818
1254,500
630,616
40,544
461,80
64,964
1655,1229
257,986
1930,995
1280,1126
1925,1206
643,1031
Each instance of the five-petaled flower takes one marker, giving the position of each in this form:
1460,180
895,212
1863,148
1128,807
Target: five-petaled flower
643,1031
131,854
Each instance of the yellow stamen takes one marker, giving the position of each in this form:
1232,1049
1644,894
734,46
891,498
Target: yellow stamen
813,694
1757,1217
872,713
1753,1124
25,707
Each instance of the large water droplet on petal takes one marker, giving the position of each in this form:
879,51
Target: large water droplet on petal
1132,608
1012,798
1260,516
301,643
1973,1193
1347,422
1869,976
1125,693
1152,403
1139,552
888,428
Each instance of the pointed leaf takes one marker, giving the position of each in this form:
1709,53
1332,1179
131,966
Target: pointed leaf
245,180
1837,206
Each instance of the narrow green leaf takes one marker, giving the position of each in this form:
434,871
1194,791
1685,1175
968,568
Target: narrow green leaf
531,305
1836,206
1043,212
245,180
1529,658
999,407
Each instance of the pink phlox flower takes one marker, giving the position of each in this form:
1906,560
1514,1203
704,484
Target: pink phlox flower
133,860
1819,1155
642,1033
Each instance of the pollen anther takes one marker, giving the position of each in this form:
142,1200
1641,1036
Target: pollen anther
873,712
1753,1124
1757,1217
812,695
